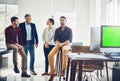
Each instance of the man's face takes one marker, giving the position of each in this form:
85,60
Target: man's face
62,21
28,19
16,22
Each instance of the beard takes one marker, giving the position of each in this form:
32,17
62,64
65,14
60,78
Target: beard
62,24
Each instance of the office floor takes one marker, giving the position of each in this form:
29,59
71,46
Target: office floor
39,68
11,76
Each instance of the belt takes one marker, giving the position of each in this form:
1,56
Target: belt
28,40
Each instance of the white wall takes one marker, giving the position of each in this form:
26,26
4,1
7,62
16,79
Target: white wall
92,13
8,1
82,21
118,14
69,7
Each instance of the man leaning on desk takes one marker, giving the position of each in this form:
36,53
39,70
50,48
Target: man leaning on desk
14,41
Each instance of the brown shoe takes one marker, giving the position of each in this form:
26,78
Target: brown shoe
33,73
62,73
51,77
45,74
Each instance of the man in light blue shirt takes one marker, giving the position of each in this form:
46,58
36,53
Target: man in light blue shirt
28,31
30,39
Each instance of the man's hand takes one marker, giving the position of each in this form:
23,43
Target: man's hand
36,45
60,44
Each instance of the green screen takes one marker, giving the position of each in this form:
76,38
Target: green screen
110,36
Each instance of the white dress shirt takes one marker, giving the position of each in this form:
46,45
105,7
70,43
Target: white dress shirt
28,31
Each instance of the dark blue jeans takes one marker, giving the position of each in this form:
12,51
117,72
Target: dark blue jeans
30,47
46,52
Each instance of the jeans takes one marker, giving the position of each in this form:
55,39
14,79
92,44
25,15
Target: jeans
46,52
30,47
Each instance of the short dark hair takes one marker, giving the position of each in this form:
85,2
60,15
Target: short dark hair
13,19
27,15
63,17
52,21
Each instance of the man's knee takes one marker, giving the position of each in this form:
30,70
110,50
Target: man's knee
64,50
15,48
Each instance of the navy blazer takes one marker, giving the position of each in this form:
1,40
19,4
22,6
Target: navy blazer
34,36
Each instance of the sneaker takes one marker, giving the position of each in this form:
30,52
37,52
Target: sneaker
33,73
51,77
16,70
25,75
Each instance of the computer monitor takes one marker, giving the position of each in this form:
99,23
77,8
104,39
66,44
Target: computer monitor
110,38
95,33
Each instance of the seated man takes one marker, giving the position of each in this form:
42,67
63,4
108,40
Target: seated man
62,38
14,41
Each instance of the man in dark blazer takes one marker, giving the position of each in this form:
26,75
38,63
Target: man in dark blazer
30,39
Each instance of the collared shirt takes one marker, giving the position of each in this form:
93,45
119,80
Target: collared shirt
28,31
48,35
64,35
13,35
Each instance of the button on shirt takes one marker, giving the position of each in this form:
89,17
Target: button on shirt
64,35
28,31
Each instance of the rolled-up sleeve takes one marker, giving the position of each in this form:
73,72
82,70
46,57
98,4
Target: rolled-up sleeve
56,36
70,37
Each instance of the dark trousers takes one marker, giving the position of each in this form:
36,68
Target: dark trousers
30,47
46,52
